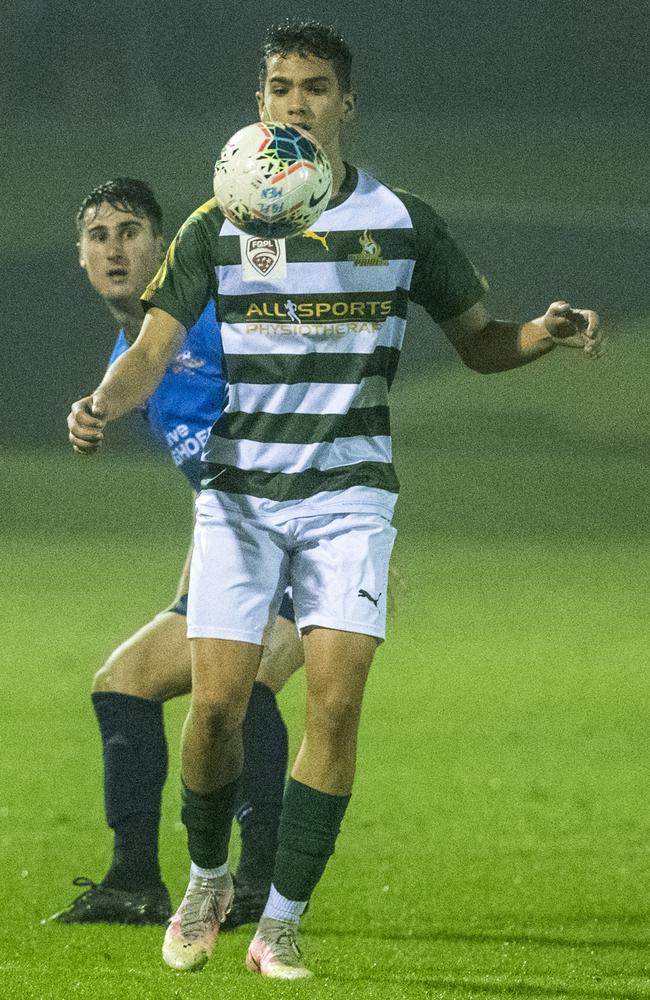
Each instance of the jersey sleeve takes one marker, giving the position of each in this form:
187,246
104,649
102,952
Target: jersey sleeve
186,279
121,345
444,281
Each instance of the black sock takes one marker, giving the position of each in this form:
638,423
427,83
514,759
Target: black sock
308,830
208,818
259,802
135,768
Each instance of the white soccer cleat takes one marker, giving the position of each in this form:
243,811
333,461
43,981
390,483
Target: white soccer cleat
275,952
192,932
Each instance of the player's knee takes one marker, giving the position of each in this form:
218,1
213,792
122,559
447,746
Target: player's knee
282,656
221,717
334,716
105,681
119,676
276,669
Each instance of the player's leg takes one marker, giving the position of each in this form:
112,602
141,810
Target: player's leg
340,591
235,586
317,793
128,695
223,672
150,667
261,789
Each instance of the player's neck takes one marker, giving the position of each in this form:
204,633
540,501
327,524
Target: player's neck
128,315
338,172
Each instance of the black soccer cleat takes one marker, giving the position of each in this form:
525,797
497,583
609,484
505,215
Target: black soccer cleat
247,907
100,905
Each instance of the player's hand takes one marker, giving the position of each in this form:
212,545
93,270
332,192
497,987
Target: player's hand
579,328
86,423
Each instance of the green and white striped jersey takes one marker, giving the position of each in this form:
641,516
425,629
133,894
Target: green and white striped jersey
312,329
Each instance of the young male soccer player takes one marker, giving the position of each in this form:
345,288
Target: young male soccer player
121,248
297,482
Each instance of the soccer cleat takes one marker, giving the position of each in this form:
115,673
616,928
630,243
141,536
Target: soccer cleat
192,932
247,906
99,904
275,952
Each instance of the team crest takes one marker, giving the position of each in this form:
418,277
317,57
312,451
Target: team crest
263,254
263,258
370,255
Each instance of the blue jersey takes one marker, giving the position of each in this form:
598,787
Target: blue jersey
190,397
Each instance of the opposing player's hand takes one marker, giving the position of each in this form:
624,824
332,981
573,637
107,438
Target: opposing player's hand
571,327
86,423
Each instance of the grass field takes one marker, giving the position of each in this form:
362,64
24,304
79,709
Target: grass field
497,841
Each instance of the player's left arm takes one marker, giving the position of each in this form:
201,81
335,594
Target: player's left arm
489,345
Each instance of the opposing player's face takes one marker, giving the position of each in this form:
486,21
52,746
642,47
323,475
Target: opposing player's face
119,252
304,90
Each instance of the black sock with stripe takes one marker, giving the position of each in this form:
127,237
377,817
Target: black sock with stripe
135,769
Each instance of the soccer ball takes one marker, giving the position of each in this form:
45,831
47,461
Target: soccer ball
272,180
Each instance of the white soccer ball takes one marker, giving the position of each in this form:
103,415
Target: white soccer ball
272,180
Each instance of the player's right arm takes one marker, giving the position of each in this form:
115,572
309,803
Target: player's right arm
173,300
129,381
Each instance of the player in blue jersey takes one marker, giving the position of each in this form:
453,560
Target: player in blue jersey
298,480
121,248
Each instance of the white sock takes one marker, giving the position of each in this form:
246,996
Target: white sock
278,907
196,872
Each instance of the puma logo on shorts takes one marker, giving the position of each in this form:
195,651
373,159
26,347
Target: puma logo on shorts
364,593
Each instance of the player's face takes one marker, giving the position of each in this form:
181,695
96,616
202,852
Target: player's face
304,90
119,252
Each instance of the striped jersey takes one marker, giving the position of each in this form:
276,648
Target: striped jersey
312,329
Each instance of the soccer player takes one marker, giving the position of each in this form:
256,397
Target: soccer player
298,484
121,247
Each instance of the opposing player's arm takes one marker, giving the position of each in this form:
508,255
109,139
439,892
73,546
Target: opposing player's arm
129,381
489,345
184,579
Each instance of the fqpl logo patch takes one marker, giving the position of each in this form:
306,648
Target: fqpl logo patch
263,254
263,258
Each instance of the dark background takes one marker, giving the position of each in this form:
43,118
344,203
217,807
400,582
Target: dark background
523,124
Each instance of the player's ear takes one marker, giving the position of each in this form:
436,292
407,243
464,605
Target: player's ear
349,106
161,247
261,108
82,259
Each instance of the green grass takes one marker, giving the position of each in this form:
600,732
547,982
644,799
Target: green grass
497,841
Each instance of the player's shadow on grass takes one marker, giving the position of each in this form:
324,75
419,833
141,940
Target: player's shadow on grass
496,937
511,986
506,987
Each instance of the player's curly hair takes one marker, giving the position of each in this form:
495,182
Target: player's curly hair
126,194
308,38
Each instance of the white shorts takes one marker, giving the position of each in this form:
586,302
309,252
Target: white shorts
337,565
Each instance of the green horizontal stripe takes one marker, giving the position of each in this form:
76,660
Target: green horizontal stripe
281,486
289,369
395,244
314,307
303,428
